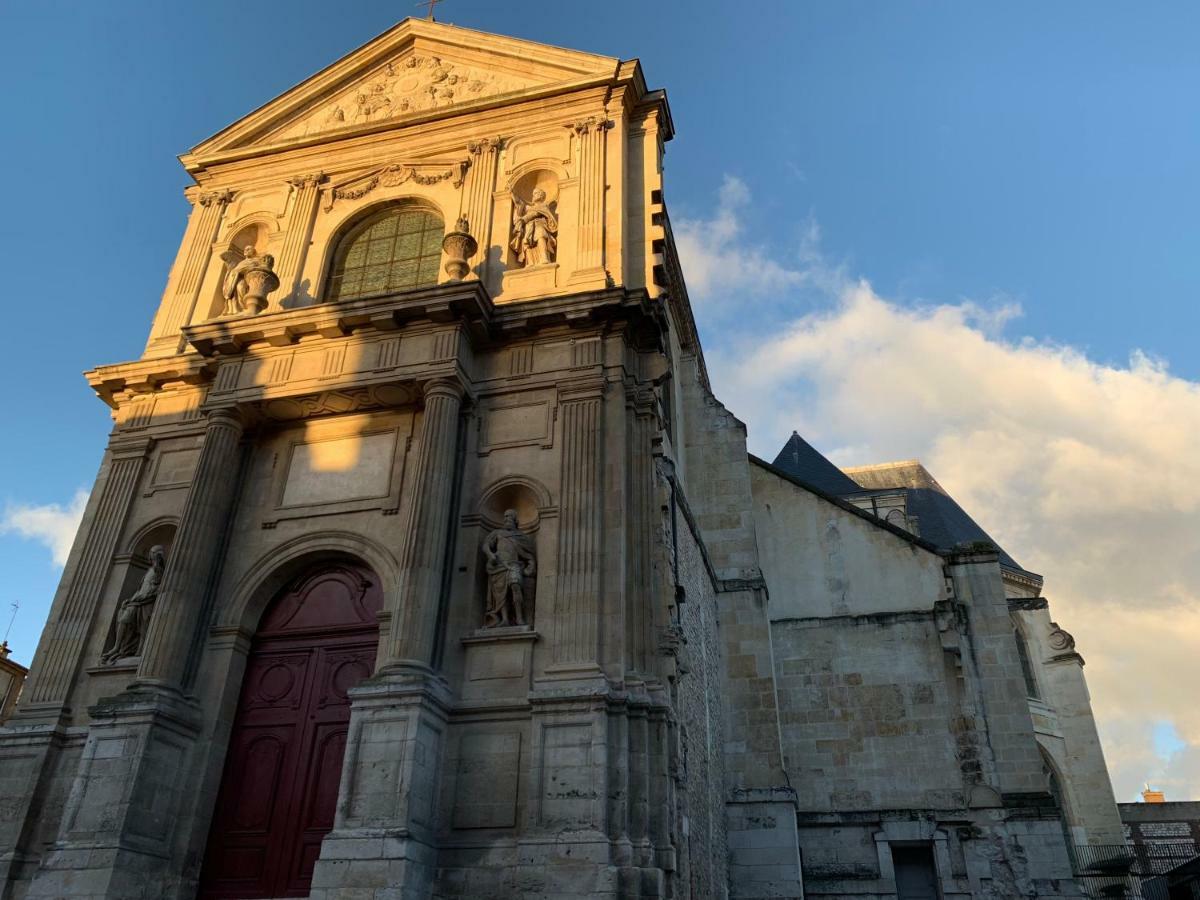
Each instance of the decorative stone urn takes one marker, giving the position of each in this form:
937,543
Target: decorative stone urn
250,278
459,246
259,282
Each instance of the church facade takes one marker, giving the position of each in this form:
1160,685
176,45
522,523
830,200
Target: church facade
423,562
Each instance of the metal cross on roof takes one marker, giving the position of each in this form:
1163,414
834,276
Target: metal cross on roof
430,4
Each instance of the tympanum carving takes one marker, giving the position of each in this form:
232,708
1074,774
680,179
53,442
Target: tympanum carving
402,88
534,230
250,278
511,563
133,613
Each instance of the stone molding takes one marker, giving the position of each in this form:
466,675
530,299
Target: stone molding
1027,604
217,346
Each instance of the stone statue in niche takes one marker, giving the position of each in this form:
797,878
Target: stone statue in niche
533,230
511,560
250,278
133,613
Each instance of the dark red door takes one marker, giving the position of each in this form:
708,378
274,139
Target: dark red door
279,789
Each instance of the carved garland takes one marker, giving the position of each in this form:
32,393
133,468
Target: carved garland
392,176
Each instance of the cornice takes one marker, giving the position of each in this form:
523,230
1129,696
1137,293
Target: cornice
466,305
148,375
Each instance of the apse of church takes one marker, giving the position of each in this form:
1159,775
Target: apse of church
422,561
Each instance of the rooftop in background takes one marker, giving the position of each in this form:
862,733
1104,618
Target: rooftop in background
940,519
800,459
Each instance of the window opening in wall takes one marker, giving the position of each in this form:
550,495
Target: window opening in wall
916,873
395,249
1031,686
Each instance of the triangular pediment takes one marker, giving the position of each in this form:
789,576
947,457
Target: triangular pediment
416,70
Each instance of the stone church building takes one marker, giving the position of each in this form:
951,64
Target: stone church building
423,562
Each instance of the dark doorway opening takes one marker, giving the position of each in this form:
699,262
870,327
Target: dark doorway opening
916,872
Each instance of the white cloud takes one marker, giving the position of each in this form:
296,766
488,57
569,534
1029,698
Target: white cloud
1087,473
721,262
52,524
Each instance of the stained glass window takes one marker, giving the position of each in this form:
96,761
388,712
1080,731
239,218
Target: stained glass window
395,249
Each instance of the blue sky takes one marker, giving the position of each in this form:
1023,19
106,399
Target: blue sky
1020,176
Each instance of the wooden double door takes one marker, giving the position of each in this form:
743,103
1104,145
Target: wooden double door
279,788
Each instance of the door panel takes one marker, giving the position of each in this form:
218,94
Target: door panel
283,766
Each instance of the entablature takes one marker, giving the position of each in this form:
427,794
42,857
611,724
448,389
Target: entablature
299,362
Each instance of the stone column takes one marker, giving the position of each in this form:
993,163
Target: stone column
577,604
589,260
135,780
172,635
426,532
61,651
306,199
477,195
193,261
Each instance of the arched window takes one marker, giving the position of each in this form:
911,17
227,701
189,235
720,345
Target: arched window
395,249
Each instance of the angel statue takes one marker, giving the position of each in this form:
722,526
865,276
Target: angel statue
133,613
534,227
510,561
250,278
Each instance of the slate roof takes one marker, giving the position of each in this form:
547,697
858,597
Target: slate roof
801,460
939,517
940,520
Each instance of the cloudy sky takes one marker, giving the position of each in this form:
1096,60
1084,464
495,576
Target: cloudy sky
939,230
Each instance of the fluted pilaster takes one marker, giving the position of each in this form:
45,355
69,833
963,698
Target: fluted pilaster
577,605
197,250
306,199
61,650
426,531
477,193
590,224
180,605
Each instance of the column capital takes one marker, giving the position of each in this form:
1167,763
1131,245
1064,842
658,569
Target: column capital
311,179
130,447
226,415
485,145
220,198
444,386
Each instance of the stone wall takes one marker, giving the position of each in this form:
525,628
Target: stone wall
900,719
700,705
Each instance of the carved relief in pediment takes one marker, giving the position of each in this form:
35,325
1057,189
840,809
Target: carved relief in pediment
405,87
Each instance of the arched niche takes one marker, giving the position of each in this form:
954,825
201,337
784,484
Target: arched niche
527,496
250,233
136,562
533,242
531,502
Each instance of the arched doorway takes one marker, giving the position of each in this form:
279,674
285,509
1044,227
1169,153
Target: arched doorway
316,640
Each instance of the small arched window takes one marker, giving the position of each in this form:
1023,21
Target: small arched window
395,249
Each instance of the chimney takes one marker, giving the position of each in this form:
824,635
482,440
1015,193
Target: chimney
1149,796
